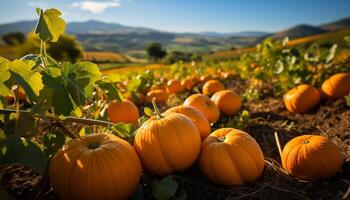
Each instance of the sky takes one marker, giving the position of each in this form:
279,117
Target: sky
187,15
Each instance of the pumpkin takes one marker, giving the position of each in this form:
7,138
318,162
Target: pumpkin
206,106
311,157
302,98
174,86
123,111
160,95
227,101
212,86
205,78
188,83
94,167
336,86
195,116
167,143
231,157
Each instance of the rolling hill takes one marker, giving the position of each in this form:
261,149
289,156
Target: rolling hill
339,24
299,31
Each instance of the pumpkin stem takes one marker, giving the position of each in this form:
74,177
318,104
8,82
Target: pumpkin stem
221,138
154,104
278,144
93,145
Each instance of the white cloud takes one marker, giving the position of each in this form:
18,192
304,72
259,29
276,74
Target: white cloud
96,6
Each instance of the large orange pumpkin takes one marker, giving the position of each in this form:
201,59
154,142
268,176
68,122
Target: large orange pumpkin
227,101
167,143
123,111
94,167
311,157
195,116
188,83
174,86
160,95
336,86
302,98
231,157
212,86
206,106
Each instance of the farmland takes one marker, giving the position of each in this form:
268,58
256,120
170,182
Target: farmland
264,122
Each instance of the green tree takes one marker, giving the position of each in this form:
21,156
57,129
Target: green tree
65,49
14,38
155,51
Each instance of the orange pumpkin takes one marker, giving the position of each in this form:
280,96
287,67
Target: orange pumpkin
98,166
227,101
123,111
302,98
174,86
206,106
212,86
336,86
188,83
231,157
311,157
167,143
160,95
195,116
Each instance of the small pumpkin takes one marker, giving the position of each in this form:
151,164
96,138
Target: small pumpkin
212,86
167,143
227,101
123,111
311,157
302,98
206,106
160,95
231,157
188,83
336,86
195,116
98,166
174,86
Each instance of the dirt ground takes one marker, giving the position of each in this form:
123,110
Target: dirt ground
331,118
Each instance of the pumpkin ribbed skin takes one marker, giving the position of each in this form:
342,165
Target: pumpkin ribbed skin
110,171
227,101
169,144
336,86
204,105
302,98
311,157
212,86
123,111
174,86
231,157
195,116
188,83
160,95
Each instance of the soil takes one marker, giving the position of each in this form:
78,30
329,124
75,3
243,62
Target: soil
267,115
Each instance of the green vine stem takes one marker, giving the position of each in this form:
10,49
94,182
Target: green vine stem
56,118
154,104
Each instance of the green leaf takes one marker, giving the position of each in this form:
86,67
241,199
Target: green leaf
53,141
110,90
4,76
50,25
165,188
123,130
148,111
331,53
87,130
17,150
25,76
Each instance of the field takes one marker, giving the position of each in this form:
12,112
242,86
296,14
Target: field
267,122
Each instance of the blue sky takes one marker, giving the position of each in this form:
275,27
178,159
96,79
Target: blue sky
187,15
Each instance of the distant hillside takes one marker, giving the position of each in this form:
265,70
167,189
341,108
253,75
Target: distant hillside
237,34
22,26
340,24
298,32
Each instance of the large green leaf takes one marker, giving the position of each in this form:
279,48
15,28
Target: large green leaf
165,188
27,77
4,76
50,25
110,90
17,150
